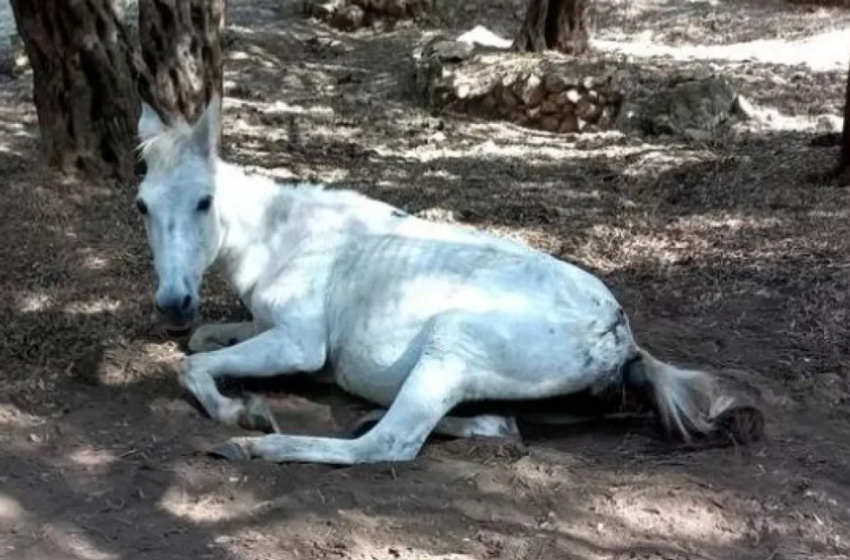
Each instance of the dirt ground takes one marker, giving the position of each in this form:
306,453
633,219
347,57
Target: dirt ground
725,255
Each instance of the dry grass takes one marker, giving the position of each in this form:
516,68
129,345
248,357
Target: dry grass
726,256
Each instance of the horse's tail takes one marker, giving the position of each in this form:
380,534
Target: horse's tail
685,400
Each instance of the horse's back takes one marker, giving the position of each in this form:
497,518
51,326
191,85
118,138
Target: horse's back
511,307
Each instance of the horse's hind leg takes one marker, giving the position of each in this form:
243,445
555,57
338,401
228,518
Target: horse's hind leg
433,388
485,425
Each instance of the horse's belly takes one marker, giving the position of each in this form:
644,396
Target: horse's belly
374,365
377,383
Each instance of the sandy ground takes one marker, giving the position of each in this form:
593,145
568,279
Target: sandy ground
723,252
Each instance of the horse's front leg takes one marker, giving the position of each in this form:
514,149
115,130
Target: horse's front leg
277,351
434,386
216,336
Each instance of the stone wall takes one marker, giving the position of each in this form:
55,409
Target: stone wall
551,92
350,15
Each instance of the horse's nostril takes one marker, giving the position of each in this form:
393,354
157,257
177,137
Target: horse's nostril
187,301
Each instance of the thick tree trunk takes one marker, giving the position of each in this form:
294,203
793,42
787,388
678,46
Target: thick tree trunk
83,85
561,25
182,46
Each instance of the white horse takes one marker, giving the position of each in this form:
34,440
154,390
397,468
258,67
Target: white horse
414,316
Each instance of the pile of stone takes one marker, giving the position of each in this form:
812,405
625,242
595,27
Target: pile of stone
553,93
349,15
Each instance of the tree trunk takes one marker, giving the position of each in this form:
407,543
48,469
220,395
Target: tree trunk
562,25
182,46
844,157
83,85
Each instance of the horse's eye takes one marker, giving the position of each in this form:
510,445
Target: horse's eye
205,203
141,207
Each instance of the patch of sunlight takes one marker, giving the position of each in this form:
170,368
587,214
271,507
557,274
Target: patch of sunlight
706,223
93,262
73,541
824,51
11,417
32,302
92,307
92,458
689,518
227,504
11,509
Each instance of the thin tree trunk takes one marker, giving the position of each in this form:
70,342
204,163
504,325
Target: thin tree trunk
182,45
83,85
562,25
844,157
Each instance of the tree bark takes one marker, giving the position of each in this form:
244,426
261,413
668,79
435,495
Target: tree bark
83,86
844,156
182,45
561,25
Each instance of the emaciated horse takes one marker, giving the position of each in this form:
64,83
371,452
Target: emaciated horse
414,316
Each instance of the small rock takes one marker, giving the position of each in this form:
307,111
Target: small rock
549,123
549,105
830,123
482,36
451,51
348,18
572,96
568,124
436,138
744,108
508,99
533,92
555,83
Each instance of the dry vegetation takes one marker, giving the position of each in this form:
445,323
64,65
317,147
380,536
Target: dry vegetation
724,253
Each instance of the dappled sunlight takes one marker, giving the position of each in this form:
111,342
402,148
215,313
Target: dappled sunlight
92,459
822,52
11,511
13,418
71,541
227,504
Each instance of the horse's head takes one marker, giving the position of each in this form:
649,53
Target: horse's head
176,199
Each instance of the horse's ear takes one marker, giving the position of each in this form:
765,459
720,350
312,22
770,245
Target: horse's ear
205,131
149,123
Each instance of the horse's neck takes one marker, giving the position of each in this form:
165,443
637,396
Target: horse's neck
252,211
263,222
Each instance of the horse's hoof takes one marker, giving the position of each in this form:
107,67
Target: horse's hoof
258,416
230,450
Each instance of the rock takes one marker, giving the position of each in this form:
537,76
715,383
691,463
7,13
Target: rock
508,99
829,124
489,103
572,96
549,105
450,51
480,35
549,123
348,18
555,83
533,91
533,113
703,104
744,108
586,110
568,124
